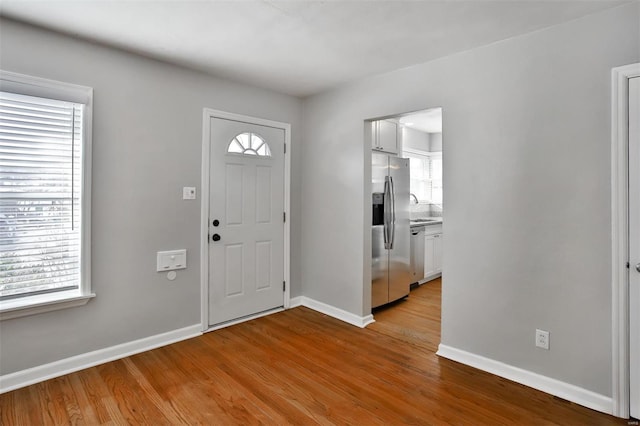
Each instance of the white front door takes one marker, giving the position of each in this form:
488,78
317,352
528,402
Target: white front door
634,245
246,229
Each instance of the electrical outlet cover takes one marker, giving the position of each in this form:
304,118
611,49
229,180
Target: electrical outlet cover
542,339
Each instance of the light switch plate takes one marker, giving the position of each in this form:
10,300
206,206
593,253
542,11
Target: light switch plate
189,193
171,260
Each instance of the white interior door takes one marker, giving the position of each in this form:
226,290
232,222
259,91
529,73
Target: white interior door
246,229
634,245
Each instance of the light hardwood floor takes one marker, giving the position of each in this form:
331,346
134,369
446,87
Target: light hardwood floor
297,367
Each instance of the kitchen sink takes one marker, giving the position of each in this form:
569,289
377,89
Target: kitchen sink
424,220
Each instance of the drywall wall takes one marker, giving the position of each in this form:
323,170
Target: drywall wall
421,141
415,139
147,138
526,185
435,142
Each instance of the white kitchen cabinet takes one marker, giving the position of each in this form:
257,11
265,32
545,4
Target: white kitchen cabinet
432,253
385,136
437,253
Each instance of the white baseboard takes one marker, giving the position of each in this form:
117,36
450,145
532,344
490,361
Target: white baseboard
545,384
332,311
294,302
19,379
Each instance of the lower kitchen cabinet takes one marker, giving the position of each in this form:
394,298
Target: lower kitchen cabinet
432,255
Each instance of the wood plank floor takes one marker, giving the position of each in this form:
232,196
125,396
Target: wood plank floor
297,367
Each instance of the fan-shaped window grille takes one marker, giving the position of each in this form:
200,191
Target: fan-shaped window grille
249,144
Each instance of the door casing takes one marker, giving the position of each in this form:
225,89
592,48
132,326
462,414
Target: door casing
620,237
207,115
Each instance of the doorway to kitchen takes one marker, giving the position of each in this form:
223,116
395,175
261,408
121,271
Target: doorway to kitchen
422,145
406,204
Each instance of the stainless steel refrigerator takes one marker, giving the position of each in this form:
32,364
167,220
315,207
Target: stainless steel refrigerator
390,232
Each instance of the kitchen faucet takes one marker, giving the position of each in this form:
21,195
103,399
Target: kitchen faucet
411,194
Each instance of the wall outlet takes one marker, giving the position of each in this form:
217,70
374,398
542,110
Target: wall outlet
542,339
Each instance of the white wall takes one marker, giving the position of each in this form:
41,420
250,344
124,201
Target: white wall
526,183
422,141
415,139
435,142
147,136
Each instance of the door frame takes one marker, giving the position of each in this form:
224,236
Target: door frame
207,115
620,237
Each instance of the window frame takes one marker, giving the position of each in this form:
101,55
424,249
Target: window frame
435,156
428,157
245,153
51,89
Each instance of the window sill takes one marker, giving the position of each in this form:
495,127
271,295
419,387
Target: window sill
43,303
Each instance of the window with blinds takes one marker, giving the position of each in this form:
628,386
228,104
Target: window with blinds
426,177
41,176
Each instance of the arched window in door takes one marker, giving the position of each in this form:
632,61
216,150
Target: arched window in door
249,144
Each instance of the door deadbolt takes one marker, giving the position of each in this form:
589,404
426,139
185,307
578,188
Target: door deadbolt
215,237
216,222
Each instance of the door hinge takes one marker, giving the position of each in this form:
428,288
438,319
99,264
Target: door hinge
284,285
284,216
285,148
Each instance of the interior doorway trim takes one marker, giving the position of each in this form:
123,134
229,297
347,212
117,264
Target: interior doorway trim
619,236
207,115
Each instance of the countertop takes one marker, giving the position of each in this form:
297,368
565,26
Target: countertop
415,224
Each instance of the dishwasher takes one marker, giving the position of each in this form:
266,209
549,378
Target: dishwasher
417,254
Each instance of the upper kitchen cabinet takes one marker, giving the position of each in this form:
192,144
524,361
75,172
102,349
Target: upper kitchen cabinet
385,136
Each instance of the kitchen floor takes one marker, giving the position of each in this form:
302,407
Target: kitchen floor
416,319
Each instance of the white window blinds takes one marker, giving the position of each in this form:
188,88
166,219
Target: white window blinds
40,195
426,177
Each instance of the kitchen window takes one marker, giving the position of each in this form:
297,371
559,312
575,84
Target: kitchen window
45,181
426,176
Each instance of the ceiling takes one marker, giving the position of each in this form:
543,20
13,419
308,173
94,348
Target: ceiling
298,47
429,120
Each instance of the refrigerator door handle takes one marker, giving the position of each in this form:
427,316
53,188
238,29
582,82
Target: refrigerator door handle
387,213
393,214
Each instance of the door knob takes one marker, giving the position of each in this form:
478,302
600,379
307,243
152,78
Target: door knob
215,237
638,267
